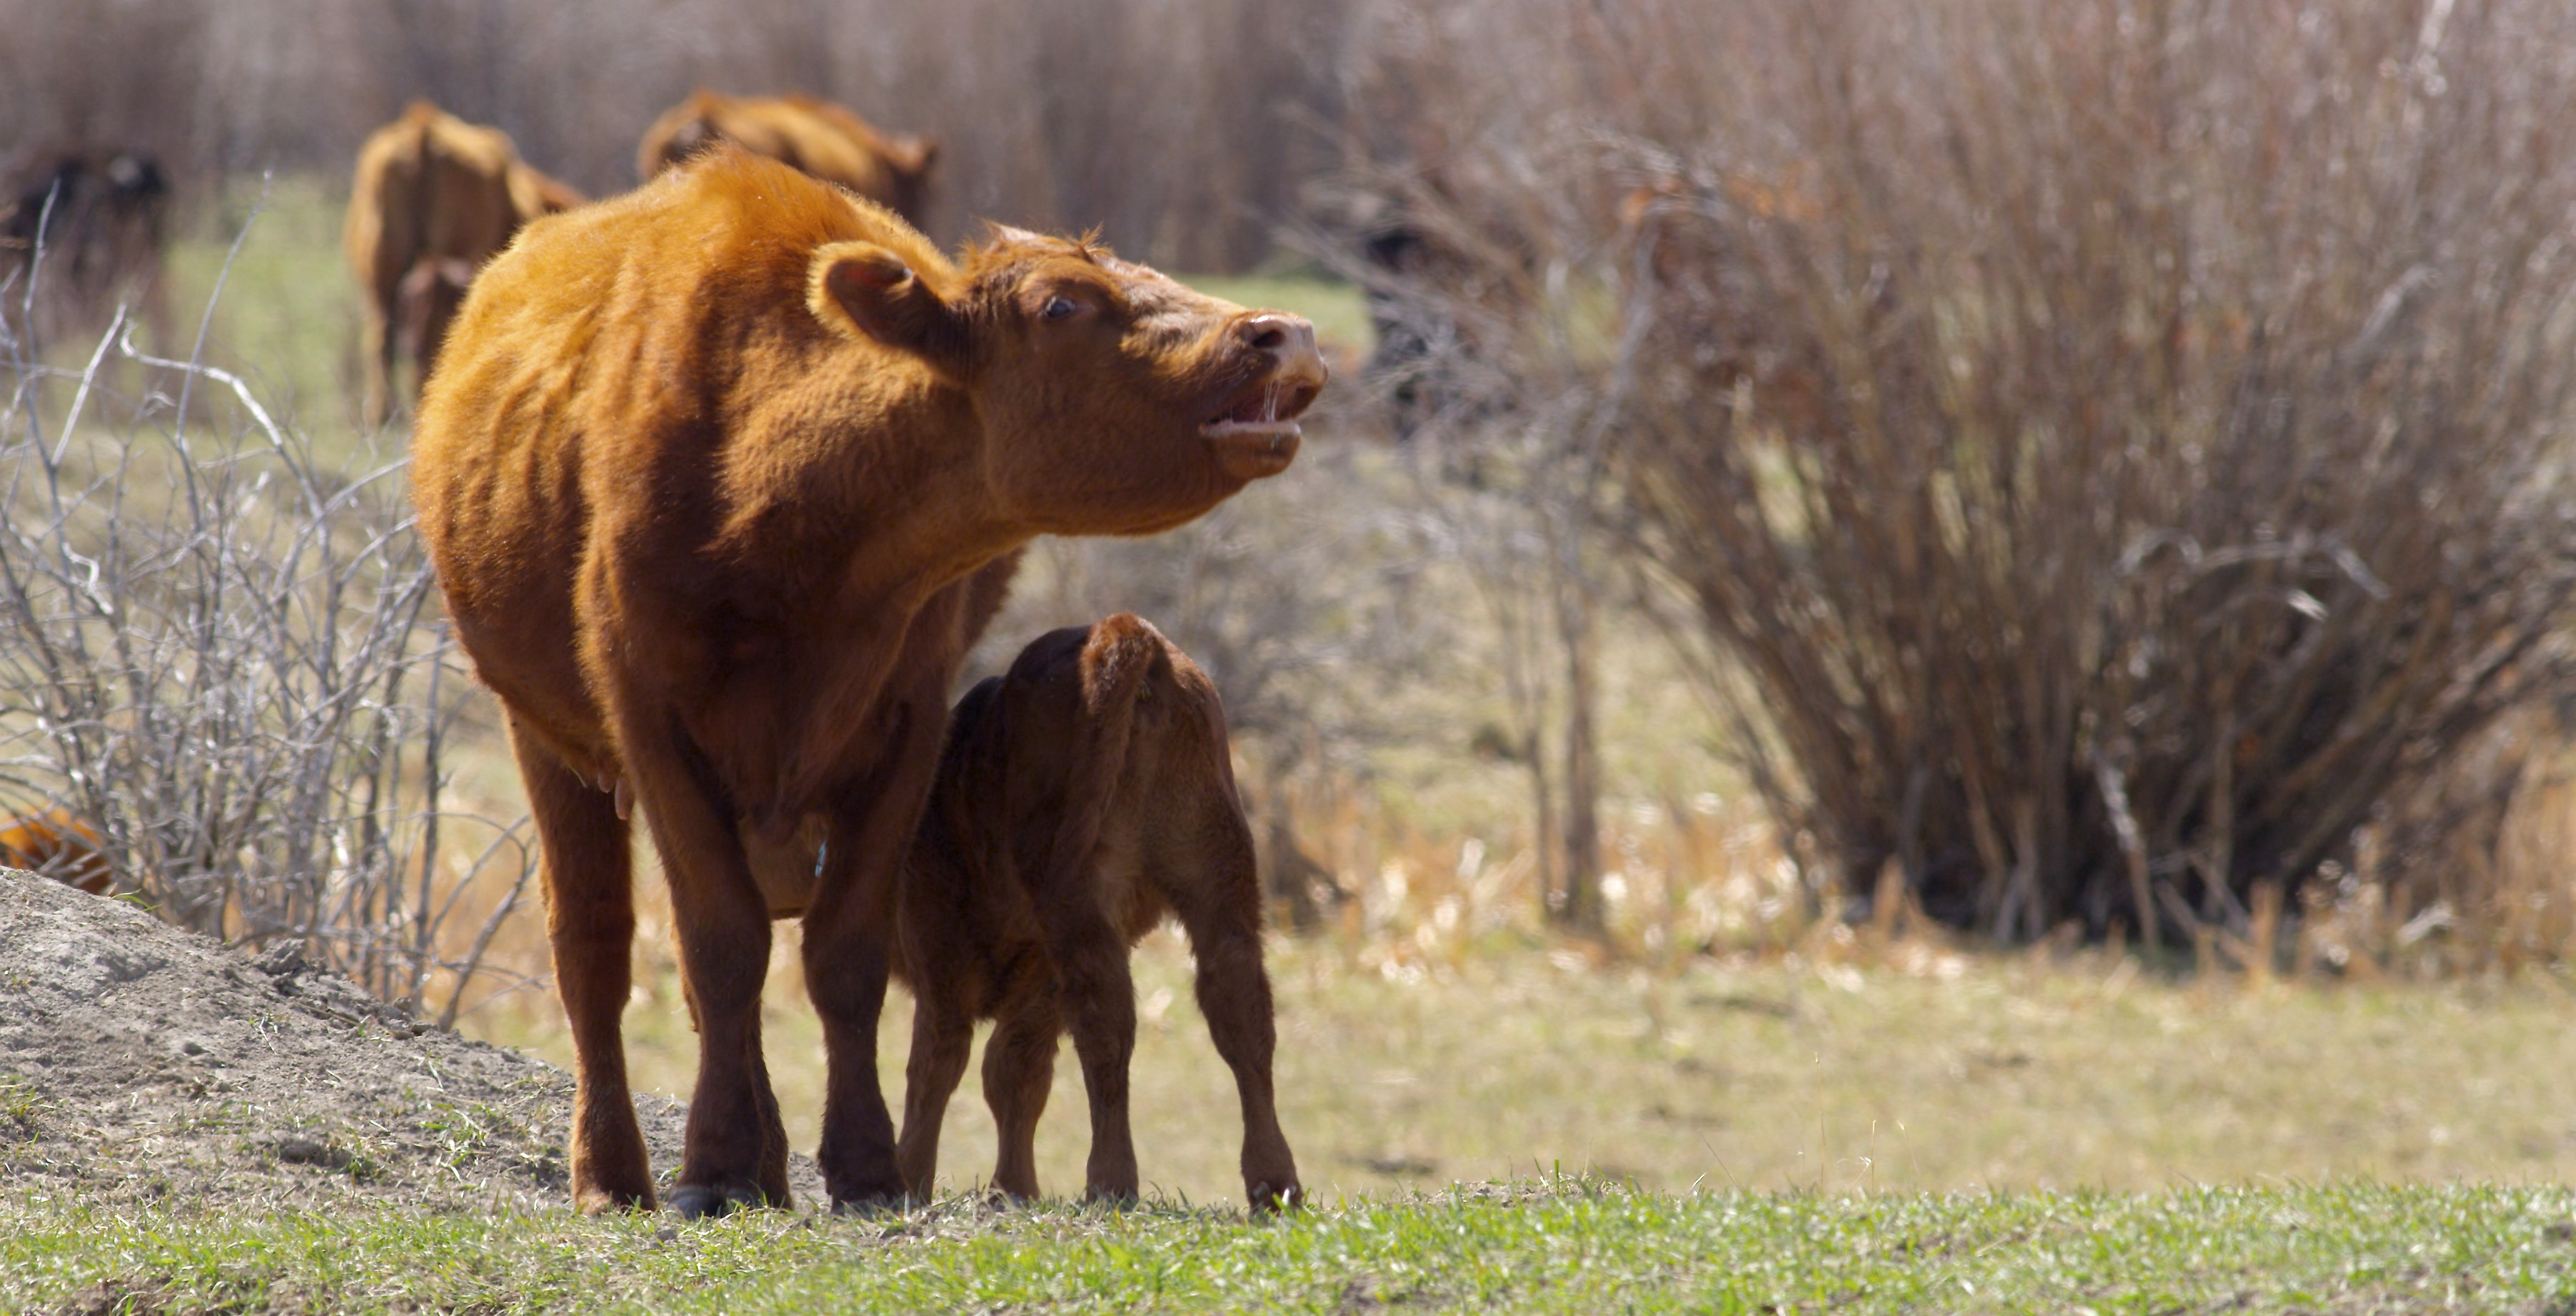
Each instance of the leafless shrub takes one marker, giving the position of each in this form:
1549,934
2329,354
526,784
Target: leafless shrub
2120,445
1471,207
222,651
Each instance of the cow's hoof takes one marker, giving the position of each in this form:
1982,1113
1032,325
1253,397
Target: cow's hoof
600,1201
868,1205
697,1201
1267,1199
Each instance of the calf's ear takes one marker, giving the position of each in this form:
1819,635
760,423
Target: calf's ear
863,288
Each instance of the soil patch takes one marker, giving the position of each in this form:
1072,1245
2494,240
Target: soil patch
142,1063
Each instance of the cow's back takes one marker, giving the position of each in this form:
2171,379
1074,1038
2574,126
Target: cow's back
428,184
605,362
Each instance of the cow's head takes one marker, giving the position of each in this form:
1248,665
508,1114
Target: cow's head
1112,399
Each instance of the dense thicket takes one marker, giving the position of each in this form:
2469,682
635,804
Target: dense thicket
2115,451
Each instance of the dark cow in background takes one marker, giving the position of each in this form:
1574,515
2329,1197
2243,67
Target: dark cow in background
816,136
1080,799
1442,297
98,221
433,198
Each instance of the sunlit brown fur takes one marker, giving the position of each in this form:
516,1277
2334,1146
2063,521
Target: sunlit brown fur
432,194
59,845
1080,800
709,472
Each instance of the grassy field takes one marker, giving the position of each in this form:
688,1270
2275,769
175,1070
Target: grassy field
1486,1120
289,314
1924,1072
1565,1245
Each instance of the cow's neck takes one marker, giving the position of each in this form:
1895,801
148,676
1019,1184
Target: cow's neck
928,514
911,521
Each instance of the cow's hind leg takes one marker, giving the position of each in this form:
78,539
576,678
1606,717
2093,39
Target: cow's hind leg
376,348
590,918
1234,995
722,923
1019,1072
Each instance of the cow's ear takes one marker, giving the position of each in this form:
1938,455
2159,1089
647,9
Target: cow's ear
864,288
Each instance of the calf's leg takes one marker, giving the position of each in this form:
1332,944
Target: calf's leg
773,1130
1234,995
942,1035
1098,998
590,919
1019,1072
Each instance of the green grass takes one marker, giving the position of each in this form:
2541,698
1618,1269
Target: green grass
1566,1245
288,316
1339,312
20,1110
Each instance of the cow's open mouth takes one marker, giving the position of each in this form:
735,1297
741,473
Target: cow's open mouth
1270,407
1256,436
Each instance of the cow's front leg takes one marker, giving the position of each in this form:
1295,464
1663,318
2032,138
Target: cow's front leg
849,934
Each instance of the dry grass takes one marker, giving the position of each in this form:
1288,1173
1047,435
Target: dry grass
1829,1066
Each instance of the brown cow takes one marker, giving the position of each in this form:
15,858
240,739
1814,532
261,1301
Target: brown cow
816,136
58,844
434,197
98,220
1079,800
719,476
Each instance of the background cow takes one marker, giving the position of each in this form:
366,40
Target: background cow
99,220
1080,799
821,138
58,844
434,197
701,464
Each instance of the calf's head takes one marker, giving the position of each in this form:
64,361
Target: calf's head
1110,399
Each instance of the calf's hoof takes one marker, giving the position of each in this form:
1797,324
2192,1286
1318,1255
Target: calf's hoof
1269,1198
697,1201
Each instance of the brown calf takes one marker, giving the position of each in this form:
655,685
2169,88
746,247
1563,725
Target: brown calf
721,477
1080,800
433,198
816,136
59,845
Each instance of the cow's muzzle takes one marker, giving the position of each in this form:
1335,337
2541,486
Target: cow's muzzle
1256,433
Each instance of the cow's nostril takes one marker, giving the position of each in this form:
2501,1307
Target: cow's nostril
1271,331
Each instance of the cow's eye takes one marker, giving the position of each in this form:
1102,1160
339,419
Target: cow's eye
1057,308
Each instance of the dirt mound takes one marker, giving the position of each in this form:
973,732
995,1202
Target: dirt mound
139,1062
